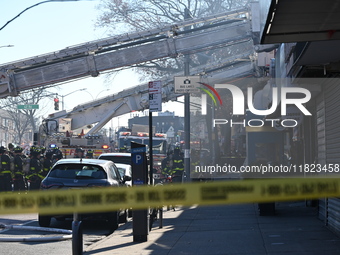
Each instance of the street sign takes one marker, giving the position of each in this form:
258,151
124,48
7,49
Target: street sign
155,87
171,132
187,84
27,106
155,96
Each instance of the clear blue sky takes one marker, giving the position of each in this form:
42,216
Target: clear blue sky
51,27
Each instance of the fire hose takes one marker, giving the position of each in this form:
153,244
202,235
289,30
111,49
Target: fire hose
68,234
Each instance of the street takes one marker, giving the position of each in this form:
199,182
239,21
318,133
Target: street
93,231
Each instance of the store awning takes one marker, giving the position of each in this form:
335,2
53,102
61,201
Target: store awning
301,21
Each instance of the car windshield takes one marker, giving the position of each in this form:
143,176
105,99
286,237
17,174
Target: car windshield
118,159
78,171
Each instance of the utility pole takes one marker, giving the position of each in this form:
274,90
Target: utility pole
187,110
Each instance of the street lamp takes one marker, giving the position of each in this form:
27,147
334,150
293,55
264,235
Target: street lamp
34,6
62,96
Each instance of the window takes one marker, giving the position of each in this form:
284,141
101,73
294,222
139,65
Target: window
112,173
118,159
121,171
78,171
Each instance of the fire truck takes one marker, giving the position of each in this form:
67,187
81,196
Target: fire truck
59,133
139,134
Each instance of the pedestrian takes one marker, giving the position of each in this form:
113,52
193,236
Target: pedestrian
19,183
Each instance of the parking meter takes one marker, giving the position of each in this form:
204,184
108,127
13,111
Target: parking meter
140,218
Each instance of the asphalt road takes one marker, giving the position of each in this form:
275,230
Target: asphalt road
93,231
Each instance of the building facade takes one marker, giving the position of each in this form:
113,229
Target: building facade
8,132
308,56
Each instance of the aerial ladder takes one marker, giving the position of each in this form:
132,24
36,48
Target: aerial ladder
95,57
91,116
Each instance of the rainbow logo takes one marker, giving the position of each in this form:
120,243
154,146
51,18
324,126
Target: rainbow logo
208,92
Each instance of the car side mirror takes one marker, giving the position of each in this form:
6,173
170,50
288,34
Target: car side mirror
126,178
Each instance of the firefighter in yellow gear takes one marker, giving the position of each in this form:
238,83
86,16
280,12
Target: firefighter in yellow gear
194,162
167,164
46,162
34,177
19,183
5,171
89,153
177,165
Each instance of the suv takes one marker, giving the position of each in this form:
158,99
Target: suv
84,173
117,157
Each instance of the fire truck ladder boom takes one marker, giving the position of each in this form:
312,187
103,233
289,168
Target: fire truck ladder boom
89,59
102,110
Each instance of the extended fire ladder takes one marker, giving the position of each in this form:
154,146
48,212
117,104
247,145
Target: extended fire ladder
102,110
92,58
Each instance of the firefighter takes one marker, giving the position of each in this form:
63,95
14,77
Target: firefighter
5,171
57,154
178,165
89,153
10,151
42,150
123,149
19,183
34,177
167,164
79,153
194,162
46,162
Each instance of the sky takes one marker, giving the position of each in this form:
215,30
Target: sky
52,26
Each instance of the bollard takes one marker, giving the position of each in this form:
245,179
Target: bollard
161,217
77,236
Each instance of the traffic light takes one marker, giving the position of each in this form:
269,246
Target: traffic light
56,104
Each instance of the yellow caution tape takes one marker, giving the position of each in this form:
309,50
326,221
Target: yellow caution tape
140,197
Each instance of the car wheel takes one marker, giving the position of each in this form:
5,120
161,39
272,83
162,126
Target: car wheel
124,217
44,221
113,220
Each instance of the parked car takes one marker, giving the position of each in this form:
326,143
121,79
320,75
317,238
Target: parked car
120,158
117,157
85,173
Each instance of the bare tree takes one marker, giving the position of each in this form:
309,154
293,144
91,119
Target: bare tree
24,119
120,16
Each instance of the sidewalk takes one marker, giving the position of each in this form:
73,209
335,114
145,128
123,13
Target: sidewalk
229,229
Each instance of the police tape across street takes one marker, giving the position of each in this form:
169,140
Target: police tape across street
142,197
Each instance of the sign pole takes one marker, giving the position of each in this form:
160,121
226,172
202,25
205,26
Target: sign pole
187,113
155,105
150,149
